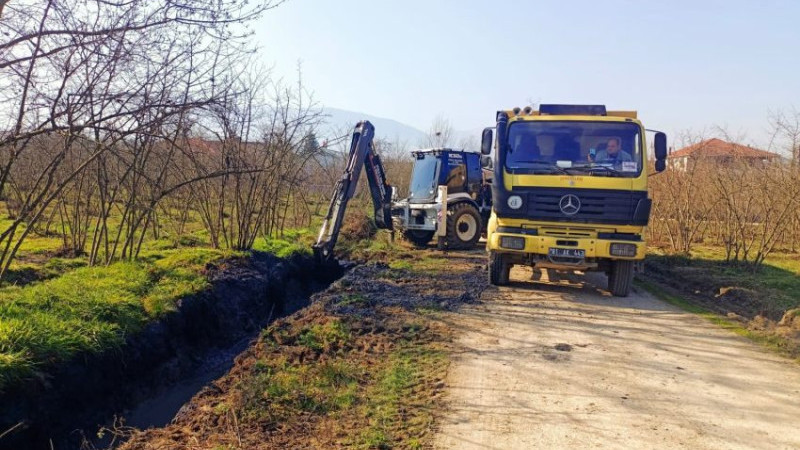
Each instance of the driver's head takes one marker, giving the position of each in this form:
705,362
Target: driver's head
612,147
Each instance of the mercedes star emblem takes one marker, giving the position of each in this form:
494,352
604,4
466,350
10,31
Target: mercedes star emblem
570,204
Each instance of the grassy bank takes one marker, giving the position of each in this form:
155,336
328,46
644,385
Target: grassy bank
92,309
54,307
769,291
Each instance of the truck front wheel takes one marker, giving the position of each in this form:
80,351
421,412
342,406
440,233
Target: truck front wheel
499,269
620,278
463,226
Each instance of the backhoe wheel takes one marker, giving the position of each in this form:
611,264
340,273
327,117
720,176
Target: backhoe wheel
420,238
463,226
499,269
620,278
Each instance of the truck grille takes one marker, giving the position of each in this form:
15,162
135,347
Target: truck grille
596,206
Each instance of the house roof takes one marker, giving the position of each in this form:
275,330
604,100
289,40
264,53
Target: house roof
717,147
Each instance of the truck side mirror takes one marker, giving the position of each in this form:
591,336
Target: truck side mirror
486,141
486,162
661,146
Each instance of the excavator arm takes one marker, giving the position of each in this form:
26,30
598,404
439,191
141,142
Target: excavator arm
362,154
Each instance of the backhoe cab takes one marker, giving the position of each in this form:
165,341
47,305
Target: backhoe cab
570,191
449,198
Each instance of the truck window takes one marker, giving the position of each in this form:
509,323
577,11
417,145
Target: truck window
424,177
545,146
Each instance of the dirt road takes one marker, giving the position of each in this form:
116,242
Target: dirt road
564,365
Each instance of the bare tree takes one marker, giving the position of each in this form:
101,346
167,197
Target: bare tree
785,128
471,142
440,133
747,206
264,137
678,212
85,86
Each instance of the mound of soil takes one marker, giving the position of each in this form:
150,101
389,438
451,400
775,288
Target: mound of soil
789,324
744,302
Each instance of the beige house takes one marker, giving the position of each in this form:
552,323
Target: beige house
720,153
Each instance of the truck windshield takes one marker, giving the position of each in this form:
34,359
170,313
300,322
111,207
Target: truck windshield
572,147
423,178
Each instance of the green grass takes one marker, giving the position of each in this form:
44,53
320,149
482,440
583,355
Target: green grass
401,265
34,244
388,409
276,392
782,260
352,299
322,337
293,242
771,341
91,309
777,282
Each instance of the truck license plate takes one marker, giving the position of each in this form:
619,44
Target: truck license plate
574,253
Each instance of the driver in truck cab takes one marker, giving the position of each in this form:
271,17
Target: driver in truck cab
613,153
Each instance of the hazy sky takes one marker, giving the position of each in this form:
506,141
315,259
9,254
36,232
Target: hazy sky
682,65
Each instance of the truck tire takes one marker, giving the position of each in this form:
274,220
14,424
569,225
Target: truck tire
463,226
499,269
419,238
620,278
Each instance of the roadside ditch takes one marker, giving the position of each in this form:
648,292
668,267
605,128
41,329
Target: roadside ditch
160,368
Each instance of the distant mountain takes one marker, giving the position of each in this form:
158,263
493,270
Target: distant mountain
339,121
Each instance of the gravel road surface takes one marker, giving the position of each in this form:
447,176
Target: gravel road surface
555,362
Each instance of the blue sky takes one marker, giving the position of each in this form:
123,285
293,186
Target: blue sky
682,65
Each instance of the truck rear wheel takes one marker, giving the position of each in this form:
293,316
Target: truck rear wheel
420,238
463,226
499,269
620,278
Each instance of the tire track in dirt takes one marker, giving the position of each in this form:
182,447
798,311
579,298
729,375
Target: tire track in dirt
563,365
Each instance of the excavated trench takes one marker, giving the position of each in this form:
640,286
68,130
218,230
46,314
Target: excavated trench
162,367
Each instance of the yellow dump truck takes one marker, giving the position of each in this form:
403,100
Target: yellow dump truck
569,191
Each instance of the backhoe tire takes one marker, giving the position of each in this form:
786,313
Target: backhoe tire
463,226
620,278
499,269
419,238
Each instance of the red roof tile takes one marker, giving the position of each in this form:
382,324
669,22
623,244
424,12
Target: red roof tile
717,147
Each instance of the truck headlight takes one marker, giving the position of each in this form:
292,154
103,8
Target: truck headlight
512,242
515,202
628,250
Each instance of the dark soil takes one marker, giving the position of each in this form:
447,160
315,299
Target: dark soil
245,295
384,311
718,293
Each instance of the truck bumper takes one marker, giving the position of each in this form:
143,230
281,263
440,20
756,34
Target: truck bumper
536,250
